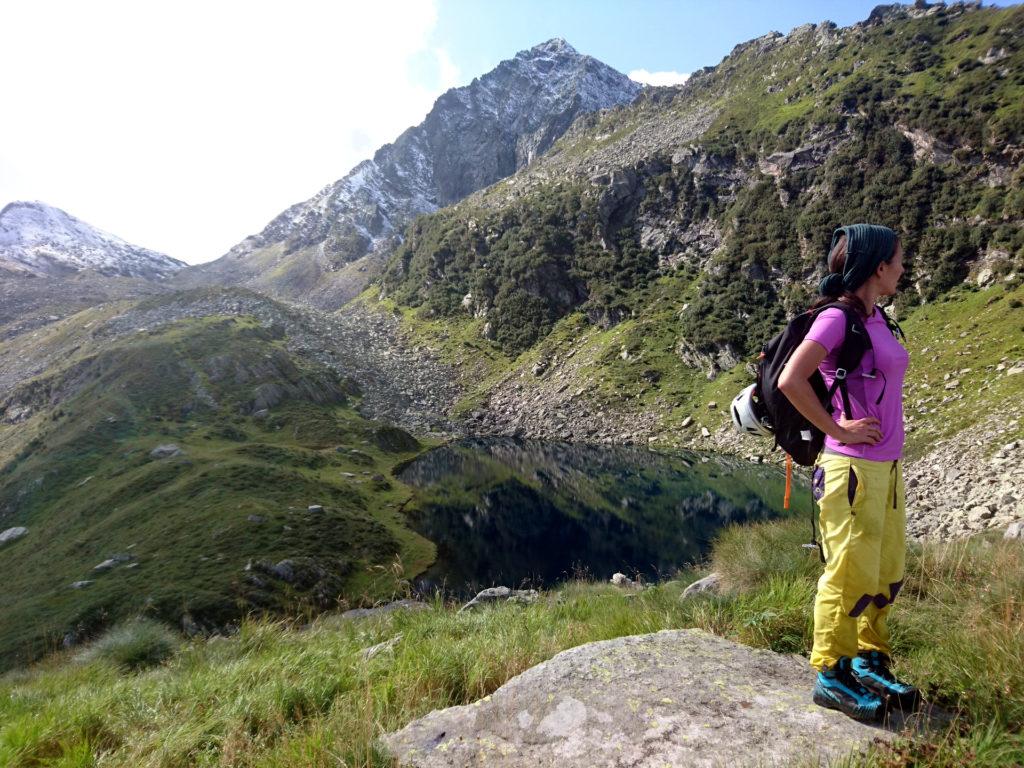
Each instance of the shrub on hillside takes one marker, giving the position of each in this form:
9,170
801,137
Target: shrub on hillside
133,645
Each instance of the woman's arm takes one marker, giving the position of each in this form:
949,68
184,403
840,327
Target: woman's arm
795,385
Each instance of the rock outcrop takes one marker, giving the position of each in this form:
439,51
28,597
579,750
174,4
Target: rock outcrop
12,534
676,697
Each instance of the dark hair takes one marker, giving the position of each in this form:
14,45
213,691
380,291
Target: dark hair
836,265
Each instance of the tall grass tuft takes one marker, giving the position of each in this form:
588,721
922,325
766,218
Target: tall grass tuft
133,645
746,556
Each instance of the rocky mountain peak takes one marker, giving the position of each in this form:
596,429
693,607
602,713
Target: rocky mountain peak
473,136
38,239
554,45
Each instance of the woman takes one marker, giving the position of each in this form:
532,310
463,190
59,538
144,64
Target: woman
858,479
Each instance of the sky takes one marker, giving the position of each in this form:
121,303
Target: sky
186,126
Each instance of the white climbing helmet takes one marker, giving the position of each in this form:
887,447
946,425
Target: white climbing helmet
743,414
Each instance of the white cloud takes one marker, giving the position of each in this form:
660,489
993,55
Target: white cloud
187,126
659,78
449,75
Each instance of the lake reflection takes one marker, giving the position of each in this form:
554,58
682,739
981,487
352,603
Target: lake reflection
533,513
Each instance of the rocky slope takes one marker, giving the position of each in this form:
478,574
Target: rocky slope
29,301
402,382
38,239
323,251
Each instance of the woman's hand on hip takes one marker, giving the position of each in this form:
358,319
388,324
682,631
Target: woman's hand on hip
855,431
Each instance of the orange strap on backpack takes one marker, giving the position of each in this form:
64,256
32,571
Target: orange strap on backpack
789,481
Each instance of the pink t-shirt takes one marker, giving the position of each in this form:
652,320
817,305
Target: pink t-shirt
889,358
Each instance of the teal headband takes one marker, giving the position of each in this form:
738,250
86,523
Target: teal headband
867,246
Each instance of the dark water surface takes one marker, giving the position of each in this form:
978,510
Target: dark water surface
533,513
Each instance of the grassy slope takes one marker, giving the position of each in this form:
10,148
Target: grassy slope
274,696
67,339
87,487
965,336
895,52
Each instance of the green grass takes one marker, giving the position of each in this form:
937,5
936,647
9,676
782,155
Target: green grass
964,336
276,695
87,488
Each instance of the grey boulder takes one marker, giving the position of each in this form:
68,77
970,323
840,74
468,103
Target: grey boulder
112,562
12,534
381,610
624,582
166,451
676,697
710,583
386,647
501,595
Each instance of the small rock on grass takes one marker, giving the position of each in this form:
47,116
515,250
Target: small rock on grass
710,583
623,581
166,451
409,605
501,595
12,534
379,648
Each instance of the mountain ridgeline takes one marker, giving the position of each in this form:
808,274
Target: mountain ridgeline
324,250
727,188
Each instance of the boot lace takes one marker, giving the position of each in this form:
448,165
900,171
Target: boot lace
878,665
845,674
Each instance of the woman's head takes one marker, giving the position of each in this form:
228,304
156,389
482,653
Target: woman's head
862,255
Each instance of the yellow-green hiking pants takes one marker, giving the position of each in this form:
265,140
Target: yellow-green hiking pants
863,533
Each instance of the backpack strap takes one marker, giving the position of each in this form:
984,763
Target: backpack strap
893,326
855,343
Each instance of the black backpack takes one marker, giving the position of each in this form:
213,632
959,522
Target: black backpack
793,432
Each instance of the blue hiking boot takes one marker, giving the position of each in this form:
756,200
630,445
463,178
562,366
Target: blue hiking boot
837,688
871,668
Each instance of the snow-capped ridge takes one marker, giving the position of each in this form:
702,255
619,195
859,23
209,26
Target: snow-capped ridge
39,239
473,136
554,45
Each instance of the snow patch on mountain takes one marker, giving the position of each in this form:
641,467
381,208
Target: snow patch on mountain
38,239
473,136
